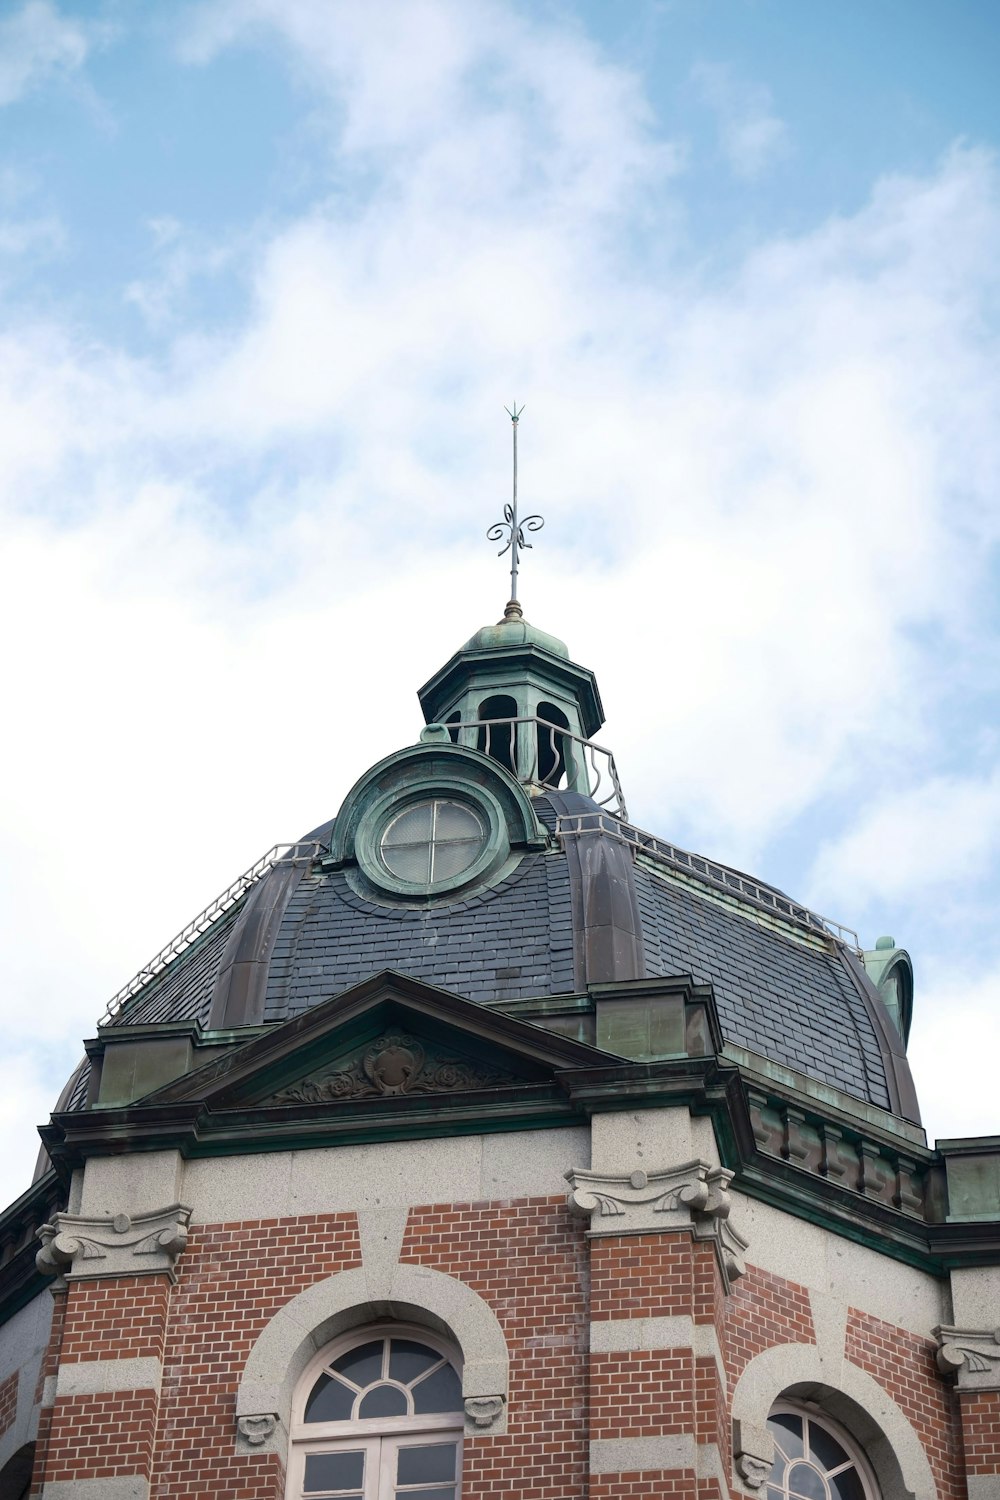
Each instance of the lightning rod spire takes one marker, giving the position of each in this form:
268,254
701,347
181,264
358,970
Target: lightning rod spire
512,528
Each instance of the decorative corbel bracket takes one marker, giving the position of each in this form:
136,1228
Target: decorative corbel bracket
693,1196
753,1453
972,1355
482,1411
80,1247
256,1430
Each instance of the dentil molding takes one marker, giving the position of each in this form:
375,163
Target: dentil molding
80,1247
692,1196
972,1355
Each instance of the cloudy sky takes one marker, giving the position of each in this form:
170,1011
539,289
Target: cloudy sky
269,271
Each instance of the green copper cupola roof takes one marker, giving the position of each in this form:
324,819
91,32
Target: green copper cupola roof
513,670
514,630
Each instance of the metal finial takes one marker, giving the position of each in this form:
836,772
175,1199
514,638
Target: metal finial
513,529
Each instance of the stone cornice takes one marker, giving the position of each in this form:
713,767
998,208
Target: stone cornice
80,1247
693,1196
972,1355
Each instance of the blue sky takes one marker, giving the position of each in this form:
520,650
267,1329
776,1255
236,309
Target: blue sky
268,274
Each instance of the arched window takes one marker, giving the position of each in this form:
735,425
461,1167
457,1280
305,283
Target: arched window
815,1459
378,1416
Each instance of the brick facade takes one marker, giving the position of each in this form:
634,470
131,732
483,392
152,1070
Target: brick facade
8,1401
564,1301
905,1366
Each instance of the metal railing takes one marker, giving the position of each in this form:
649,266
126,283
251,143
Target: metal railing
721,877
546,755
276,855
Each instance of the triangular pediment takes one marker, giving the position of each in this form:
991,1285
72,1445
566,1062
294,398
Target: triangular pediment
389,1040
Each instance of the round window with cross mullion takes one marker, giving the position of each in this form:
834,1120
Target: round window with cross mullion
433,841
815,1460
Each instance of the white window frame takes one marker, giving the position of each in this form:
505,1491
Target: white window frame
854,1452
379,1436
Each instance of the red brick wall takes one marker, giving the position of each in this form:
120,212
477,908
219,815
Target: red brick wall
642,1393
905,1366
101,1436
8,1401
642,1276
980,1415
124,1317
532,1262
49,1367
764,1310
676,1484
232,1279
528,1259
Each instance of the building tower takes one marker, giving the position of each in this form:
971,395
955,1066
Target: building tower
481,1145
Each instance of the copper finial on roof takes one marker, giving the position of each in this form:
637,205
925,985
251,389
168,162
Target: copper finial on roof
513,529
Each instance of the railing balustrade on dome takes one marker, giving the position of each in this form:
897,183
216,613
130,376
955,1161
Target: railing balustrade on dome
543,754
708,872
193,930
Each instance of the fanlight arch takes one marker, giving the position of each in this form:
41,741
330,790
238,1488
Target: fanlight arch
379,1411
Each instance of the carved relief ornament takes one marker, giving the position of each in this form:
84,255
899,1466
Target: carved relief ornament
256,1430
753,1453
79,1247
691,1196
394,1064
972,1355
482,1411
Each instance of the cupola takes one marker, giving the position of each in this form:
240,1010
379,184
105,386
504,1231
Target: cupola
513,693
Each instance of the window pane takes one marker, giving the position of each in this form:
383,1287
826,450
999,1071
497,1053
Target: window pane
445,1492
329,1401
825,1448
363,1364
383,1401
456,822
441,1391
805,1483
452,859
334,1471
411,862
848,1486
787,1432
407,1360
411,827
424,1465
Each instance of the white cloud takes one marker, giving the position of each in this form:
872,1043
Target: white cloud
41,236
941,833
38,43
751,136
955,1017
226,570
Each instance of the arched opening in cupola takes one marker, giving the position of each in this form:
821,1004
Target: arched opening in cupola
495,738
551,749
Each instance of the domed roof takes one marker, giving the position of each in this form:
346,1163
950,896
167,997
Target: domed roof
562,898
786,991
514,630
